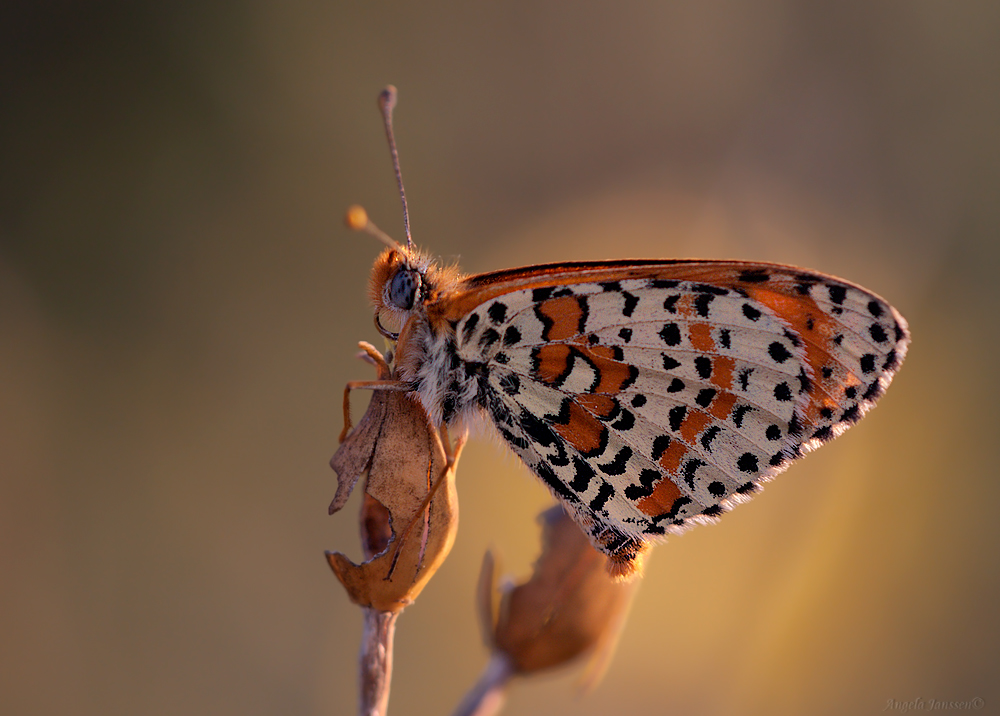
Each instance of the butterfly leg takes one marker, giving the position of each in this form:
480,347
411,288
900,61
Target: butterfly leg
451,451
371,354
397,385
439,440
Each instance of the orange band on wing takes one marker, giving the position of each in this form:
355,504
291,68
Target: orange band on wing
722,405
603,406
672,456
701,337
552,362
582,430
693,424
563,317
722,372
664,495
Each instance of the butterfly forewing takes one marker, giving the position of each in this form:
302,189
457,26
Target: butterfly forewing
648,395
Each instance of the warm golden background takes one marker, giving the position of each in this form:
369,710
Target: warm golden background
179,306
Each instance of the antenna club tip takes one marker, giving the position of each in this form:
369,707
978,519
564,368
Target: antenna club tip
387,98
356,218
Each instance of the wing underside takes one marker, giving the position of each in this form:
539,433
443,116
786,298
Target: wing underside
650,397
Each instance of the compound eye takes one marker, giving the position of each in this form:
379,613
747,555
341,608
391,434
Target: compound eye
403,289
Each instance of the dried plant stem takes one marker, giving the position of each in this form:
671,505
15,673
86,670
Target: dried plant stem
375,661
488,695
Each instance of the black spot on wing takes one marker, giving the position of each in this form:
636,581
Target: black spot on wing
739,413
690,468
647,478
851,415
620,462
604,493
702,303
511,336
470,327
583,473
874,391
837,293
754,276
805,383
792,337
709,436
660,445
747,463
625,423
709,288
537,430
671,334
497,312
778,352
705,397
824,433
631,301
676,417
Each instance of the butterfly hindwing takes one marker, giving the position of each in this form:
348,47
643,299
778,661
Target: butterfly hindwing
648,397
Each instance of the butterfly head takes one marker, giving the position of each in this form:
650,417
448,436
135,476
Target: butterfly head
402,282
396,288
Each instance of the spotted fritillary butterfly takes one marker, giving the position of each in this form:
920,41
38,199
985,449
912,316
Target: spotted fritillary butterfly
647,395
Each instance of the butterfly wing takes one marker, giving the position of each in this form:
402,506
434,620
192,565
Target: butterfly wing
652,395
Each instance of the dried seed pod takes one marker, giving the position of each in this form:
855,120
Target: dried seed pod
410,513
569,606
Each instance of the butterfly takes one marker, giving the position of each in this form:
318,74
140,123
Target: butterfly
647,395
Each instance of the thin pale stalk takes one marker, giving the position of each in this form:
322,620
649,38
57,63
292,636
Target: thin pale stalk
375,661
488,695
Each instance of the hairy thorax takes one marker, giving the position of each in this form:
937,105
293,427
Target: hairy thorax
451,390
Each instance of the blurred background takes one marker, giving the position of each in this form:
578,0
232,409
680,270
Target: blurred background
180,306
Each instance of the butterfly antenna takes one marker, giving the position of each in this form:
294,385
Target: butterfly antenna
357,219
386,103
